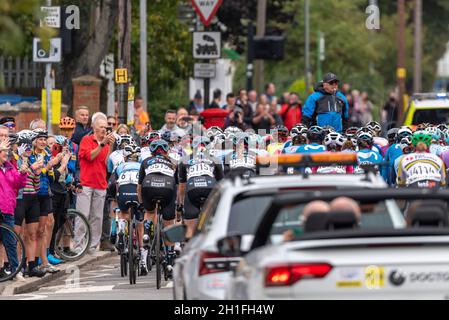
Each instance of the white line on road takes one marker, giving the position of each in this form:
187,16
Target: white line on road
86,289
32,297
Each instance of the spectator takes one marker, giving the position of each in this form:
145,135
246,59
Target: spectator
273,110
170,124
94,151
82,124
217,99
263,119
284,98
390,112
197,103
346,89
252,100
112,123
38,124
142,115
291,112
270,91
327,106
10,123
242,101
235,118
356,114
183,119
230,102
366,109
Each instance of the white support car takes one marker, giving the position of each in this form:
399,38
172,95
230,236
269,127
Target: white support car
377,259
236,206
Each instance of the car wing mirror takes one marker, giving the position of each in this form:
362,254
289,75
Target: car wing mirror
175,233
230,246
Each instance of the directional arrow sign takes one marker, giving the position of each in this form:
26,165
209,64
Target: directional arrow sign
206,9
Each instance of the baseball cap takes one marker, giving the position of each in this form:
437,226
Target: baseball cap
7,119
328,77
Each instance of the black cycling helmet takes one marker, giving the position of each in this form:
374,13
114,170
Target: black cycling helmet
166,136
391,134
315,134
281,131
159,147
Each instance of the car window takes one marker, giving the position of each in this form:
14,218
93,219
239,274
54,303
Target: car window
246,213
377,215
434,116
209,210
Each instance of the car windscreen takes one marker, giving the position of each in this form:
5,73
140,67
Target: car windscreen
247,212
433,116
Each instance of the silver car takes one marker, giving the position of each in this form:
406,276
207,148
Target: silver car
381,259
235,206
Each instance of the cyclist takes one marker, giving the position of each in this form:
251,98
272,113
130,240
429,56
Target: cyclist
391,137
393,152
407,148
281,134
127,178
298,137
333,142
157,183
365,154
435,145
197,175
145,144
314,141
243,158
421,168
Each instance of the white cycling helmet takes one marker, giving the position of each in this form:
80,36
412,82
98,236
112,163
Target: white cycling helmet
333,138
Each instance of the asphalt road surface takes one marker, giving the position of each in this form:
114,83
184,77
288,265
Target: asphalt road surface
100,281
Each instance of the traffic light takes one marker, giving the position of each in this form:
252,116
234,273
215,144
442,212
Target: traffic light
269,47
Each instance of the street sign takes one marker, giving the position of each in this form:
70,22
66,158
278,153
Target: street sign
204,70
52,17
206,9
206,45
53,54
121,75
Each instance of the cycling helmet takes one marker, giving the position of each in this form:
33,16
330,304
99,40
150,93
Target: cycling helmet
434,132
421,136
315,133
363,129
67,123
175,137
365,137
213,131
327,130
333,140
159,146
374,127
392,133
40,133
60,140
200,140
403,132
351,131
123,140
13,138
442,126
219,139
298,130
446,136
130,150
166,135
280,130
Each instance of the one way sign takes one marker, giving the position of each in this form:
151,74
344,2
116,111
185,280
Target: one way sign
206,9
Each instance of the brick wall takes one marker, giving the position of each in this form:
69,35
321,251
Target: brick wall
86,92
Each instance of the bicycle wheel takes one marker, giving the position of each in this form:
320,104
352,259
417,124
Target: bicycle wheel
15,241
158,250
75,234
131,261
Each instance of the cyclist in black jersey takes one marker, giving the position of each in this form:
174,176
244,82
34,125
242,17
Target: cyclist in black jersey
197,174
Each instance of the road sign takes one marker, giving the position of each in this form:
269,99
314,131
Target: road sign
206,45
121,75
204,70
52,17
206,9
53,54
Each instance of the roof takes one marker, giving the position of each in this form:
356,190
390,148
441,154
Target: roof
431,103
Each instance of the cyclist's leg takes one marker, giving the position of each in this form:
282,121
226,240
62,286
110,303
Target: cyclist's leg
45,210
191,213
31,225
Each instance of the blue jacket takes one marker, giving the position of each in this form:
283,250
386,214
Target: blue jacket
328,109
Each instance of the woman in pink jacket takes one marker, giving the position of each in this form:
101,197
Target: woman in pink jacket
11,181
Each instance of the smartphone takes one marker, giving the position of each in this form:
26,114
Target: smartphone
108,130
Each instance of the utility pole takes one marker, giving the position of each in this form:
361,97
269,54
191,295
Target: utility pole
250,58
124,55
260,32
417,77
307,45
48,88
401,72
143,52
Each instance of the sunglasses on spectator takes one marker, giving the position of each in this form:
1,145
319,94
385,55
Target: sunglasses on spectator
111,123
10,125
333,82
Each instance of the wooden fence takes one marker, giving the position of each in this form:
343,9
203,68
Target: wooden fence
21,73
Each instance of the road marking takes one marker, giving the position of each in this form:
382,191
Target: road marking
32,297
86,289
169,285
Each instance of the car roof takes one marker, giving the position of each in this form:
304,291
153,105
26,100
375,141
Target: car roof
431,103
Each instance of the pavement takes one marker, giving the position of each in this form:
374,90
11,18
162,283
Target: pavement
14,287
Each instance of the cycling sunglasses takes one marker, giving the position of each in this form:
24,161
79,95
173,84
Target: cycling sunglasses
10,125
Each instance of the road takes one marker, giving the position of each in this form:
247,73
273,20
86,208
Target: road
100,281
